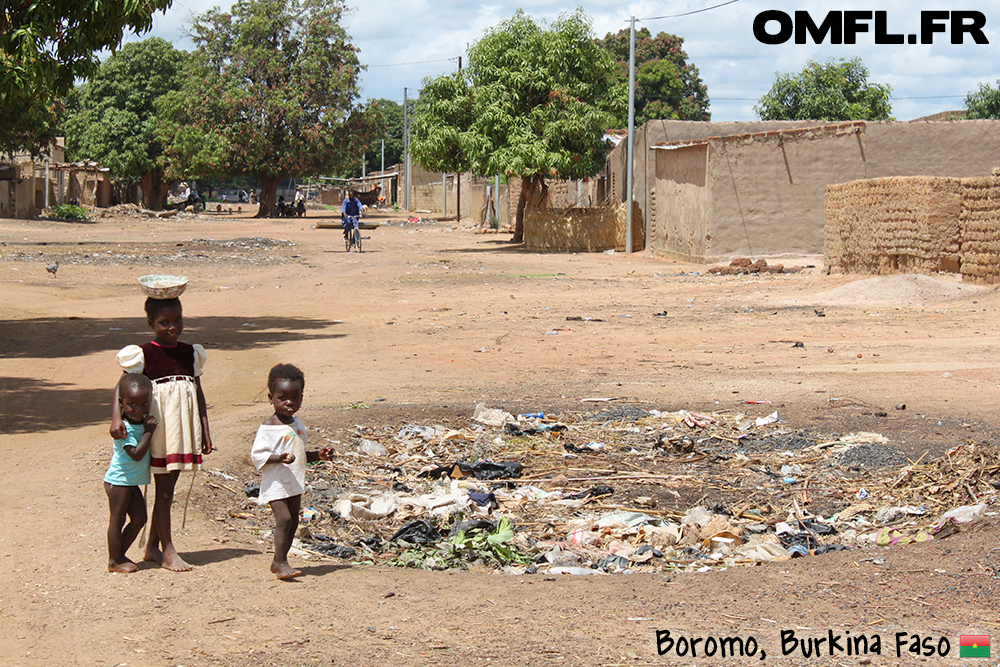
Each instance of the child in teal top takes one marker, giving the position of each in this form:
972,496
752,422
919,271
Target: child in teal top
128,470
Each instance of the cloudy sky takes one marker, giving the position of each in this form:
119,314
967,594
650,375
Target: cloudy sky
402,42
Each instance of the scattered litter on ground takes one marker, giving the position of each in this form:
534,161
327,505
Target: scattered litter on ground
622,490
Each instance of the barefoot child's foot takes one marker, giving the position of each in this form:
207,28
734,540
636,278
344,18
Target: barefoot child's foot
173,562
168,560
153,555
125,566
285,571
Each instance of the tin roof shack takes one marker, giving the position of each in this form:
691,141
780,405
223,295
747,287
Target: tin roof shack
30,184
711,192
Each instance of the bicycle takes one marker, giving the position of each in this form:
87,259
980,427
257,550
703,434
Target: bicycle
352,233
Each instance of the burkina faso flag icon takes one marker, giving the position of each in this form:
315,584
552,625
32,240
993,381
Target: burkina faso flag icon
974,646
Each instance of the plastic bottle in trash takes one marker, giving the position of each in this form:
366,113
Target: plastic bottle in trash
533,415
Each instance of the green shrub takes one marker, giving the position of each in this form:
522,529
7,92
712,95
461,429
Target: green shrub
69,212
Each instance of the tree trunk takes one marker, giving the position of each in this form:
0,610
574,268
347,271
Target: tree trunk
154,189
458,196
533,192
268,196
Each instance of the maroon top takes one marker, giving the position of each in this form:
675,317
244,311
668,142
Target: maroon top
161,362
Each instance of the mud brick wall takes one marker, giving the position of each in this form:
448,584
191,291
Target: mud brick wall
581,229
918,224
980,228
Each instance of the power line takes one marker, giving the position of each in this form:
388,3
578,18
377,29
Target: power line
696,11
891,97
420,62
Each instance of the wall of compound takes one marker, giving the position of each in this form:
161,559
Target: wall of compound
918,224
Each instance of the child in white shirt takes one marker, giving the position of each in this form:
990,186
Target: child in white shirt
279,454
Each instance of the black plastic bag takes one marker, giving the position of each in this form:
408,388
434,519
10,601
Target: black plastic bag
417,532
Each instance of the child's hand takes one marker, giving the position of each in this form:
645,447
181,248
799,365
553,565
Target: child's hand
206,445
117,430
326,454
150,423
288,457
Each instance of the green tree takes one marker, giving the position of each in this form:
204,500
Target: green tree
271,93
443,138
667,86
392,132
45,47
115,122
541,100
984,102
834,90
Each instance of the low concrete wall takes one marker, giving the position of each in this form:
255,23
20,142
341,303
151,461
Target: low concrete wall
581,229
919,224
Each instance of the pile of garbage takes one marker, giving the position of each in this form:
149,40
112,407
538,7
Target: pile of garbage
623,490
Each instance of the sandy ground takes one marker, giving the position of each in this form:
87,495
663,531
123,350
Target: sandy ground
433,319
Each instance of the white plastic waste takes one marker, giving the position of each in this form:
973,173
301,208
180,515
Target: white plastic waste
491,416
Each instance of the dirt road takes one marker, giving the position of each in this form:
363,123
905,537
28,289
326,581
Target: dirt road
429,321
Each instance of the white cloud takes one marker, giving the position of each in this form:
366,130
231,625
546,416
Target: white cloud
719,42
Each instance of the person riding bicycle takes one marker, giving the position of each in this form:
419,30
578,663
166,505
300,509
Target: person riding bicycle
350,210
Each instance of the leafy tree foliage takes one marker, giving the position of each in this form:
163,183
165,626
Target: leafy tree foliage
116,118
667,86
44,47
392,132
534,103
984,102
443,138
834,90
271,93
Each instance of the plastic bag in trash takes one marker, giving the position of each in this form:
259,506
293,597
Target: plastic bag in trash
491,416
964,514
418,532
613,563
487,500
372,447
252,489
515,430
472,525
328,547
591,493
479,470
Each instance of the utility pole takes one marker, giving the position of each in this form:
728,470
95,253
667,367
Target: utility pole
631,136
406,153
458,176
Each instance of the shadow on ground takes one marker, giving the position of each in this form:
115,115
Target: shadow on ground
55,338
29,405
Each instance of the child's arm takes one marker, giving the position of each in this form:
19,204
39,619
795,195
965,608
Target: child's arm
117,423
206,438
287,457
139,450
324,454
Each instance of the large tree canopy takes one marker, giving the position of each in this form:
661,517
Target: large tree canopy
272,93
667,86
983,102
115,121
44,47
443,116
534,102
834,90
392,132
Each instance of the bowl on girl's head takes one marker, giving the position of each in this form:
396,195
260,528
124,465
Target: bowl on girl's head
163,287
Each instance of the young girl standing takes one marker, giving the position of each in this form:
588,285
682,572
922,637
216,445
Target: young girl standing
182,437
